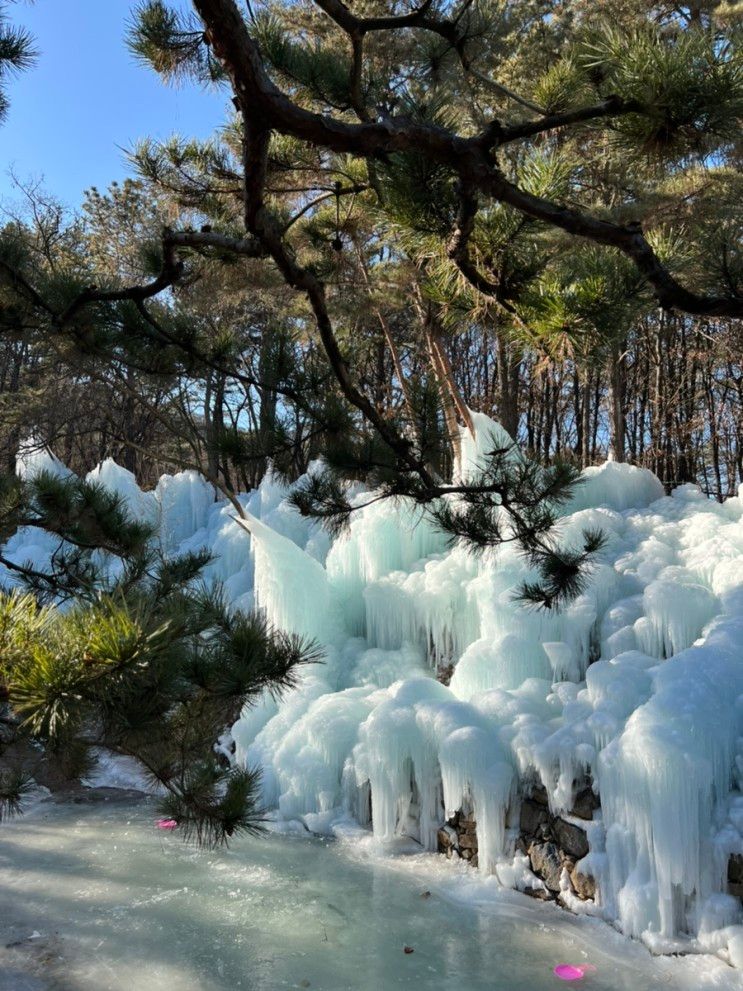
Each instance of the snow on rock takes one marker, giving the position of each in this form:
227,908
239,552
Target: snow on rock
291,587
634,689
634,686
112,770
505,663
187,516
474,451
385,539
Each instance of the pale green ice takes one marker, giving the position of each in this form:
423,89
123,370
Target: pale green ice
95,897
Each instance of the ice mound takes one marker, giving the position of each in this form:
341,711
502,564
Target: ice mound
188,516
618,486
635,686
439,693
142,506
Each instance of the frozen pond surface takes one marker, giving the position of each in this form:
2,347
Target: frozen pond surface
94,897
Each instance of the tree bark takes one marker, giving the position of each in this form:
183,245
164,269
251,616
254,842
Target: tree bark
615,402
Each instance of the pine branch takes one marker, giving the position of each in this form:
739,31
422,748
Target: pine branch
612,106
470,158
15,784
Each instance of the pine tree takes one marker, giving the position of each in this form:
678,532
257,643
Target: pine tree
469,174
481,186
477,184
394,185
144,662
17,53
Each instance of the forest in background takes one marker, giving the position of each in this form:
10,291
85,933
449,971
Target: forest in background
560,339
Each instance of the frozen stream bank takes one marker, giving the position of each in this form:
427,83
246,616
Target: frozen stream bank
117,906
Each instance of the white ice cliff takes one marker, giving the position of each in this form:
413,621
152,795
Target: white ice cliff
637,686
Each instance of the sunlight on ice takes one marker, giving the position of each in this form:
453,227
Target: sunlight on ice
438,692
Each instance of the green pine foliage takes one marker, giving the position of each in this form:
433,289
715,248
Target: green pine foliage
317,71
688,88
15,785
146,663
17,53
414,269
172,42
510,499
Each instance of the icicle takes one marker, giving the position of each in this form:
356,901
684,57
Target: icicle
292,587
657,637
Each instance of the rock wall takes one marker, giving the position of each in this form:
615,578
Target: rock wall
552,843
458,838
735,875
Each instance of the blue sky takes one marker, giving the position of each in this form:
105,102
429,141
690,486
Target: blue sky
87,98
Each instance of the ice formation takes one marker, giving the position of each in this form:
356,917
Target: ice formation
637,686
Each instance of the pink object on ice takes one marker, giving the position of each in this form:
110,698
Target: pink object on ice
572,972
167,824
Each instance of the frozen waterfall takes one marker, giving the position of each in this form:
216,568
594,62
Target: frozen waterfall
440,694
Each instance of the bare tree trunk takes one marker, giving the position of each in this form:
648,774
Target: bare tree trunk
615,402
451,398
596,410
11,383
392,347
656,401
508,386
218,419
549,412
447,375
585,454
399,372
447,403
128,425
212,459
266,375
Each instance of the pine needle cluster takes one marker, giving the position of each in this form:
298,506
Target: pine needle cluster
144,660
17,53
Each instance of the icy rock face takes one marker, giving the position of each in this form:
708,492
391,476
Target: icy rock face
504,663
383,540
633,688
30,545
665,782
187,515
185,501
291,587
617,486
474,451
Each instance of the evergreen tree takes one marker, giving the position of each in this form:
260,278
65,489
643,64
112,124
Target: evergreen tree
399,191
482,186
465,169
144,662
16,53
